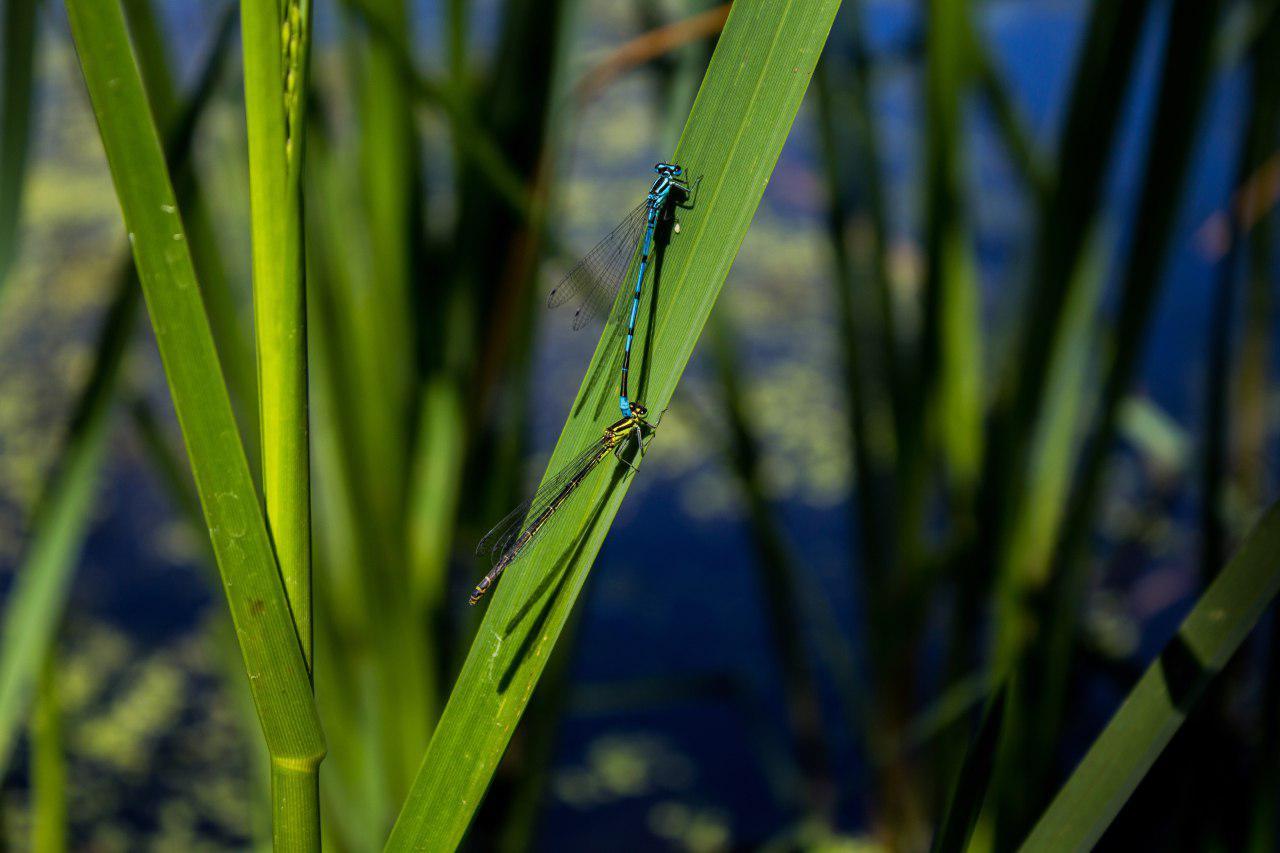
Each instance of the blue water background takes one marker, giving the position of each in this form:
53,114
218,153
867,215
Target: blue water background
675,597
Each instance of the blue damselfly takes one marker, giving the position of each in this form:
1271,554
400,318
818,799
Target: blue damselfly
594,283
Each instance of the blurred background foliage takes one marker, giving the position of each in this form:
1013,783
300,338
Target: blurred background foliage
987,404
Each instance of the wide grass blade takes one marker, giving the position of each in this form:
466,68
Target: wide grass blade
1165,694
255,594
742,115
230,334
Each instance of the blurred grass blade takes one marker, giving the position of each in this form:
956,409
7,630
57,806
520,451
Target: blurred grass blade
1041,685
475,143
1052,452
1084,151
1182,93
269,644
1018,140
1093,113
780,582
61,515
1166,693
951,356
34,608
742,115
868,507
17,59
970,788
384,339
49,790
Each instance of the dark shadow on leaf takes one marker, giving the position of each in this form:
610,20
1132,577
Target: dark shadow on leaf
558,576
1184,675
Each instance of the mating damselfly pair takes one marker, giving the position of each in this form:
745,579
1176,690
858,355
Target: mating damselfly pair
594,284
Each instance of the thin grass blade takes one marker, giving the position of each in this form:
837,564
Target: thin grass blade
17,58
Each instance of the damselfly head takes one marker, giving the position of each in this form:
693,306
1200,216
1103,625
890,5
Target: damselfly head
671,170
639,410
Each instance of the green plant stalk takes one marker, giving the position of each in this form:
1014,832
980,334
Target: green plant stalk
951,379
435,483
17,60
295,798
276,45
1093,116
1155,708
1092,119
273,658
454,102
48,764
275,69
742,115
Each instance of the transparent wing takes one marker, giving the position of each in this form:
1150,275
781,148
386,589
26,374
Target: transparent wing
593,283
498,541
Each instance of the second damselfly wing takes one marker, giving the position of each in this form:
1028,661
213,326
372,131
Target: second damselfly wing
593,283
502,545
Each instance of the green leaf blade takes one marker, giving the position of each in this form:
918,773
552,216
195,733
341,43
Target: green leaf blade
731,142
